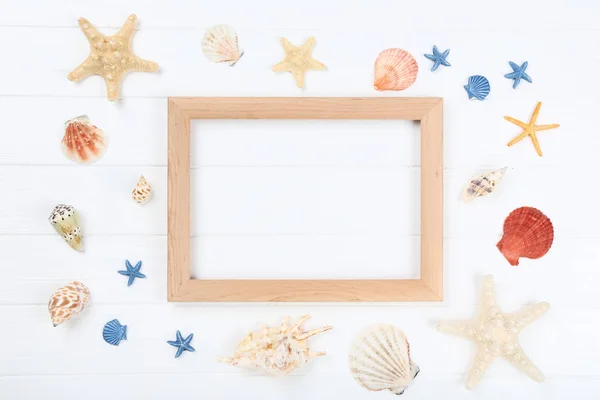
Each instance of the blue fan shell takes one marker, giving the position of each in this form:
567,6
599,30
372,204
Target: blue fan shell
114,332
478,87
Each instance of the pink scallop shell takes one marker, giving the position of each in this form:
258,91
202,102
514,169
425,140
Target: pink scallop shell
395,69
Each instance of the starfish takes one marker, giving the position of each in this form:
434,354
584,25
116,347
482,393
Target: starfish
298,60
438,58
132,272
518,73
110,57
530,129
182,344
496,335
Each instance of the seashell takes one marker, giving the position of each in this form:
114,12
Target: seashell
478,86
220,44
114,332
527,233
395,69
83,142
67,302
65,221
276,350
484,184
142,193
380,359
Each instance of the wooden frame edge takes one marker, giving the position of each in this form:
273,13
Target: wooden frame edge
180,286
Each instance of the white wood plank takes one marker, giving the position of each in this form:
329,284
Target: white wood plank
78,346
270,14
227,386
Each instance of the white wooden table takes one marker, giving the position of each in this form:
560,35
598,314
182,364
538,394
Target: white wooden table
294,200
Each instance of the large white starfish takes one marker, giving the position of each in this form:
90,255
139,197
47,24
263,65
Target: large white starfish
496,335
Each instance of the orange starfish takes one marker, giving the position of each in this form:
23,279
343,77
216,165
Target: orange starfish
530,129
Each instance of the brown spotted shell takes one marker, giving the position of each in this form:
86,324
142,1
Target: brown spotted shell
68,301
527,233
142,193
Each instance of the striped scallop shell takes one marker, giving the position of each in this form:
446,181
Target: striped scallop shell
478,87
68,301
395,69
113,332
142,192
380,359
83,142
527,233
220,44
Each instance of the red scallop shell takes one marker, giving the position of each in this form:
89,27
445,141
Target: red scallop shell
527,233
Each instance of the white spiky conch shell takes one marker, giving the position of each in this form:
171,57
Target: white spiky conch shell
220,44
483,184
142,192
67,302
379,359
395,69
276,350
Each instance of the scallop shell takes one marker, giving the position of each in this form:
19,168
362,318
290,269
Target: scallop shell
484,184
220,44
395,69
527,233
380,359
65,221
68,301
478,87
83,142
114,332
142,193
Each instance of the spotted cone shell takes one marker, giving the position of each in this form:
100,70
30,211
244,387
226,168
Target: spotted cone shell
527,233
68,301
83,142
142,192
395,69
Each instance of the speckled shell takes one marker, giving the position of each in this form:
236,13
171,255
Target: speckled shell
83,142
220,44
395,69
142,193
65,222
379,359
483,184
276,350
527,233
68,301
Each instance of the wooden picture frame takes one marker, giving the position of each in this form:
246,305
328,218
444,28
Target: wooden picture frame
427,110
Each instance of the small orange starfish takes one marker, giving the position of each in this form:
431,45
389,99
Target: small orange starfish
530,129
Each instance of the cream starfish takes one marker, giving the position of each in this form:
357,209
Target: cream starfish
496,335
530,129
111,57
298,60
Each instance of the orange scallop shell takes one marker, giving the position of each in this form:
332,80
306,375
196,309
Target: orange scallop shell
395,69
527,233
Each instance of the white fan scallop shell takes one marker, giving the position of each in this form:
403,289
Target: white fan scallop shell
220,44
379,359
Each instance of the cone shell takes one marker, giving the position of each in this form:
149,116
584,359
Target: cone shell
395,69
83,142
65,221
380,359
67,302
484,184
142,192
527,233
220,44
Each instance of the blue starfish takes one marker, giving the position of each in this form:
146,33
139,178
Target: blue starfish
438,58
518,73
182,344
132,272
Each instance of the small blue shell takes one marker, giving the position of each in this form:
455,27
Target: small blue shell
478,87
114,332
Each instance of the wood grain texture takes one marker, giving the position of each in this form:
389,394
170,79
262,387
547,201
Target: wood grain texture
429,288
